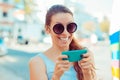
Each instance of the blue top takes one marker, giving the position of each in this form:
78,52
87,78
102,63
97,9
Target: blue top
68,75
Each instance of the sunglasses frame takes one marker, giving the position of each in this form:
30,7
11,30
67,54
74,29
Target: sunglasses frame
63,28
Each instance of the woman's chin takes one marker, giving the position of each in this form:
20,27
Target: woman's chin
64,46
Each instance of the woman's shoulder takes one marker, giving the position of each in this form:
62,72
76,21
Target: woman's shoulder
37,68
36,60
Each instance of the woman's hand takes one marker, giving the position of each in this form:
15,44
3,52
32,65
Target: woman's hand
87,66
87,62
60,67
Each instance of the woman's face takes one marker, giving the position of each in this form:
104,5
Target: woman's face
64,39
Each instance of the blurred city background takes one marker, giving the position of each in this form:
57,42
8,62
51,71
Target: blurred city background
22,34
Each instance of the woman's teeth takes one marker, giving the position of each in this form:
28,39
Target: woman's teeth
64,38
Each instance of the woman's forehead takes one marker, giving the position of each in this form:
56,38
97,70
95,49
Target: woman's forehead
62,18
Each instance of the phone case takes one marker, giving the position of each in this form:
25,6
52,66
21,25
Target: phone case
74,55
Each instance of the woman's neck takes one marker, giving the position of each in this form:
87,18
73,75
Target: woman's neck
53,52
59,49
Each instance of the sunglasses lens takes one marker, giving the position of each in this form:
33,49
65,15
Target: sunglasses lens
72,27
58,28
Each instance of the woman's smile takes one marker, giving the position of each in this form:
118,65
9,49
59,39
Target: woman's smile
64,40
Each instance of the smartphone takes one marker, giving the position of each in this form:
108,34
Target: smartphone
74,55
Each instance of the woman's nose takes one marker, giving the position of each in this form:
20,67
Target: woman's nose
65,31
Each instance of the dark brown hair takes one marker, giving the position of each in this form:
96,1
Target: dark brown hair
54,10
74,44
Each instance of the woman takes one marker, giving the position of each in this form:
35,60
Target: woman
50,64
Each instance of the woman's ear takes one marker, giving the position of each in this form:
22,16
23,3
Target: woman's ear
47,29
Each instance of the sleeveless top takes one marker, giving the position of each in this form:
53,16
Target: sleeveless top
50,65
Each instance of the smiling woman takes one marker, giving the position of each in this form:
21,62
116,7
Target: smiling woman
50,65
